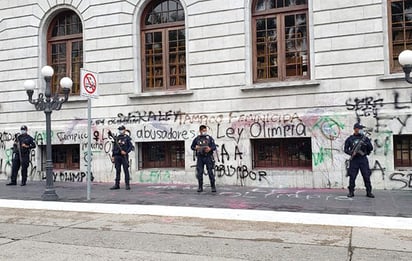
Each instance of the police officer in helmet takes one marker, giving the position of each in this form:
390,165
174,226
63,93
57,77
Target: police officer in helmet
358,146
22,146
122,146
204,146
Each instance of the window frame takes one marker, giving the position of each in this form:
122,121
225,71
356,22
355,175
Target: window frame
169,148
164,29
284,161
280,14
68,149
68,40
394,65
400,163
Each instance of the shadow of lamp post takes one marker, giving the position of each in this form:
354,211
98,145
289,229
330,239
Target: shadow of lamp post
47,103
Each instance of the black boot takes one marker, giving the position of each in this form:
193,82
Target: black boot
200,188
213,187
23,182
351,194
127,186
116,186
11,183
370,195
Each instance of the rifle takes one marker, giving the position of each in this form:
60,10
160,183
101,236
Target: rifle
116,142
357,149
17,143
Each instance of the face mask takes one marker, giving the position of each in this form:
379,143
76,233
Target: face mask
120,132
361,132
203,133
23,132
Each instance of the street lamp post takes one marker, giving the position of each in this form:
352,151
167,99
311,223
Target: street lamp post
405,59
47,103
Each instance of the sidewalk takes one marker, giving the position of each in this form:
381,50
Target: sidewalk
388,203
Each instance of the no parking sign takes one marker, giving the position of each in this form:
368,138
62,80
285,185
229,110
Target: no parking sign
88,84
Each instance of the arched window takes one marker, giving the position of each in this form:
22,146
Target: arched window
163,46
280,40
65,49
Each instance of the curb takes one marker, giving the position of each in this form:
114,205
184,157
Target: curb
218,213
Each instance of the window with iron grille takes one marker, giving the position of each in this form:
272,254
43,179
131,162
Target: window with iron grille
65,49
163,46
63,156
280,40
282,153
165,154
402,150
400,28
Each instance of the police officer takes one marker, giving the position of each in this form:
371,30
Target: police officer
122,146
359,160
204,146
22,146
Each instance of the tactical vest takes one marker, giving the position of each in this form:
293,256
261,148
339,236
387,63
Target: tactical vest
203,141
362,149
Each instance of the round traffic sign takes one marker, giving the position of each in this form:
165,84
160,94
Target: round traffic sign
89,83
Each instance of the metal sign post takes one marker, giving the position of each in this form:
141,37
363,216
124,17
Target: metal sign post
88,88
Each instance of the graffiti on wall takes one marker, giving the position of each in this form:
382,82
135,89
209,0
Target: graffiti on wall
368,111
233,132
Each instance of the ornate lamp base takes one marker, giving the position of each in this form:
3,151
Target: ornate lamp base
49,195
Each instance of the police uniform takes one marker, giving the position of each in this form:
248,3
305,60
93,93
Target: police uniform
204,158
21,156
122,143
359,161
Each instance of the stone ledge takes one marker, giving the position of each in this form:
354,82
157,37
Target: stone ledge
76,98
284,84
160,94
392,77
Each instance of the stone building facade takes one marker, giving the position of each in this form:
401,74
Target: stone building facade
278,83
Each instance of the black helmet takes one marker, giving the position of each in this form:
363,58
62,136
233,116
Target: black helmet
358,126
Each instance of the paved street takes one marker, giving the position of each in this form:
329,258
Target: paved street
174,222
56,235
389,203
